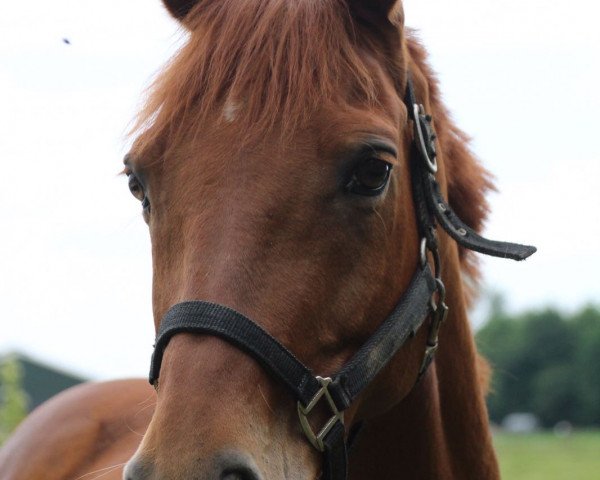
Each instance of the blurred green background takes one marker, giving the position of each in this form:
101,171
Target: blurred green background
544,362
546,456
544,401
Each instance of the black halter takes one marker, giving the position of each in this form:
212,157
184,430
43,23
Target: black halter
424,297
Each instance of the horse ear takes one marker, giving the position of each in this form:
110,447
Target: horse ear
179,8
378,13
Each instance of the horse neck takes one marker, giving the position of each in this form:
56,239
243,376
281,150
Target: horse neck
440,430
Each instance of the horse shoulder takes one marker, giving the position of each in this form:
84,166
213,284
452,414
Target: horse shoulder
94,427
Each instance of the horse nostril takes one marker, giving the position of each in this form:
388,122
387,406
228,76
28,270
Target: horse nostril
242,473
235,465
137,469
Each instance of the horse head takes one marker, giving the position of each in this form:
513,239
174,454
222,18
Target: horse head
274,168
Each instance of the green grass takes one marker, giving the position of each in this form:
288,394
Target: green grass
544,456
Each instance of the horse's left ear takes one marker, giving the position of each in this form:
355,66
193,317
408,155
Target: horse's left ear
378,13
179,8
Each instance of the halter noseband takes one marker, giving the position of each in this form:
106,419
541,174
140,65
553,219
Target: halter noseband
425,296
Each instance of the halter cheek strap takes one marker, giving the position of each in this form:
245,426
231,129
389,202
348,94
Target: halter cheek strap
425,296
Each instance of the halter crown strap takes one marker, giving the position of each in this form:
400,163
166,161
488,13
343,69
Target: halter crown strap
466,236
424,156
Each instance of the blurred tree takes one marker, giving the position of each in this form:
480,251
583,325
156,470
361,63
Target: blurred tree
502,341
587,365
554,394
13,400
544,362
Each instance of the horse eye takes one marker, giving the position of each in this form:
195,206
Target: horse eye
370,177
135,187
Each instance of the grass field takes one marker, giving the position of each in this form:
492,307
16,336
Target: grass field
544,456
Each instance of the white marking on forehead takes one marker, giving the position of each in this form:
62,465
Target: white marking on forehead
229,111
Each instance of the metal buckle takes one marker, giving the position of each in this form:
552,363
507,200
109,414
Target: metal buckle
439,312
437,264
427,358
437,307
419,112
316,440
423,252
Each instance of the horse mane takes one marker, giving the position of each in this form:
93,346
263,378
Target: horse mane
274,62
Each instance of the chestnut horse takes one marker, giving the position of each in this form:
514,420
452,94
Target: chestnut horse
274,164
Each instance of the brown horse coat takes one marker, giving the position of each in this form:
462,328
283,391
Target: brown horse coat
208,230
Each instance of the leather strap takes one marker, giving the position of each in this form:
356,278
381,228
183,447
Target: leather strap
212,319
427,194
380,348
466,236
335,461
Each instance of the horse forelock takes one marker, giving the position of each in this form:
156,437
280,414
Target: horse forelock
274,60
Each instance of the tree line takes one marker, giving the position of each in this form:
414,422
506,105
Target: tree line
544,362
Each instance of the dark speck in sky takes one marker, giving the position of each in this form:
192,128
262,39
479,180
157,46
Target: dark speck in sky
66,41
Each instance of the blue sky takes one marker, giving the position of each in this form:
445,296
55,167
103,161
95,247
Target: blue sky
521,77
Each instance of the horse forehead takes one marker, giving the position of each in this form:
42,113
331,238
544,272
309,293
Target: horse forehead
220,155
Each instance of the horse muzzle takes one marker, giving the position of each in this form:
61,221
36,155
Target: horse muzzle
226,465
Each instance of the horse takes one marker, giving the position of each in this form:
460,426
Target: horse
292,164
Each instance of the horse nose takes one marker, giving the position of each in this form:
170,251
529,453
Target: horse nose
239,474
138,469
228,465
234,465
